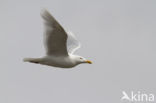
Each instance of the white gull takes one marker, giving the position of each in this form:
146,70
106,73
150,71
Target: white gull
59,44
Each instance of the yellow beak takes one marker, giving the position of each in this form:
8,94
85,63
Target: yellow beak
88,62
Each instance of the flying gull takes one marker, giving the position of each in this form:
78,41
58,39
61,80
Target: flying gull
59,44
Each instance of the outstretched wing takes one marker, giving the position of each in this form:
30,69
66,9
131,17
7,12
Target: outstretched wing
72,43
55,37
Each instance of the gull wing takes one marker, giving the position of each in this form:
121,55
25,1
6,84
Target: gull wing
55,37
72,43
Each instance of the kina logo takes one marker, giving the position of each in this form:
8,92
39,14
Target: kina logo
137,97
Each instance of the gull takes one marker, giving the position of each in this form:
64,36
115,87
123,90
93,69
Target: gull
59,45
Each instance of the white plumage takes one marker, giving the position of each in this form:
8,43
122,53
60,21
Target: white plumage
59,45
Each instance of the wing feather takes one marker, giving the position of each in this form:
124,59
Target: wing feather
55,37
72,43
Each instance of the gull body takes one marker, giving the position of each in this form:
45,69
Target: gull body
59,44
63,61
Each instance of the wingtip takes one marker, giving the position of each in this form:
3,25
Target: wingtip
46,15
43,10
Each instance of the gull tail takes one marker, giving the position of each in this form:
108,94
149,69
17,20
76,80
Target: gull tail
32,60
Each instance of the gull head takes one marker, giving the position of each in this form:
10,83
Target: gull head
79,59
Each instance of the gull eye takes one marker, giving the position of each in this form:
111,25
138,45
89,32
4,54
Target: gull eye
81,58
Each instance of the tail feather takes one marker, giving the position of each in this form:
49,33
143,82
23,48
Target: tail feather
32,60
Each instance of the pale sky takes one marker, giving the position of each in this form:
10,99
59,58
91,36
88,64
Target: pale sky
119,36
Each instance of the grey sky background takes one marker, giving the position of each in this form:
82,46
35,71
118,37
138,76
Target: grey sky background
119,36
